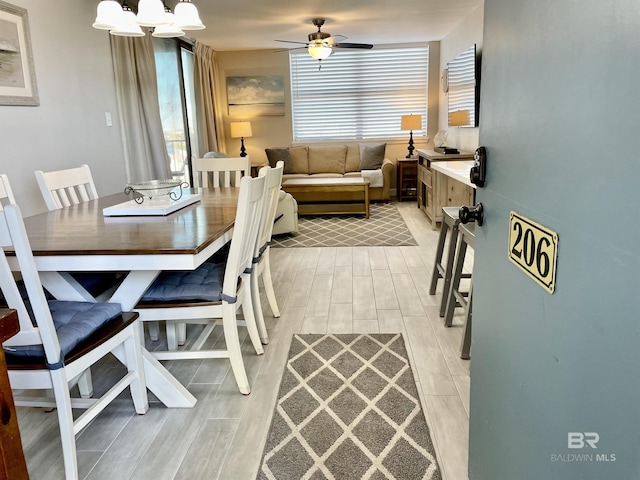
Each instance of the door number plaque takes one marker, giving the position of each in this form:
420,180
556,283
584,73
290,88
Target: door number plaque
534,249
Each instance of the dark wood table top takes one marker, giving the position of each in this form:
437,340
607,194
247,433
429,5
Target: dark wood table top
84,230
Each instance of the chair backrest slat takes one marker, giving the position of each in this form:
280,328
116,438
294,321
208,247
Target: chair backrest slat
224,172
274,181
245,231
63,188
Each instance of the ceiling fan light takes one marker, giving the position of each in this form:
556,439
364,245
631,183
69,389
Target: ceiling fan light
187,16
319,52
109,15
128,27
151,13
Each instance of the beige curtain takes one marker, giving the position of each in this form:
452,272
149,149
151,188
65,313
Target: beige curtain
208,108
146,154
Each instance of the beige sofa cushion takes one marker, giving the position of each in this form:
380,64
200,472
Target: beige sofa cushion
327,159
352,163
299,159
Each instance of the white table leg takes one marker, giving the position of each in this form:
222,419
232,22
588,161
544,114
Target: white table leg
64,287
159,380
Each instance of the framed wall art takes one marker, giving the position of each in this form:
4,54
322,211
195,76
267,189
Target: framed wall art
17,72
255,95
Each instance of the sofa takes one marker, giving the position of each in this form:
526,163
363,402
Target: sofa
331,161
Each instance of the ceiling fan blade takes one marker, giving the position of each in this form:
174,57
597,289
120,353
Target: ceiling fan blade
366,46
291,41
333,39
287,49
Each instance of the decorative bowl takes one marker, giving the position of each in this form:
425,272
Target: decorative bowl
156,188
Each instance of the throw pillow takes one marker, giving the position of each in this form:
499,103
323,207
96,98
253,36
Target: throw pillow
275,155
299,159
327,159
371,157
216,155
352,163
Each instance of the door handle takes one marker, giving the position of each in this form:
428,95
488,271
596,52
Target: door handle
472,214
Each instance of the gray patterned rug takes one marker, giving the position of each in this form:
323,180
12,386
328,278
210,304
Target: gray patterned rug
347,409
384,226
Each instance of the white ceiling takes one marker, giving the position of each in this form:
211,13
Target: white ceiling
255,24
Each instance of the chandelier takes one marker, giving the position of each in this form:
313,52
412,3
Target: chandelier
120,19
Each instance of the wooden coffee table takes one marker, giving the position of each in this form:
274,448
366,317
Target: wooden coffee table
317,196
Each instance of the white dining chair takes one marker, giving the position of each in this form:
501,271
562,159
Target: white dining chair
213,293
220,171
58,341
62,188
261,260
72,186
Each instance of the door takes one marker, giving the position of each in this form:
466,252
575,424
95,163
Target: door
555,378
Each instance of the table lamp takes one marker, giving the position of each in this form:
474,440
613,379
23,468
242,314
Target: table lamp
241,130
411,123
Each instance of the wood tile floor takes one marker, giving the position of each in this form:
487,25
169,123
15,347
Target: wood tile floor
320,290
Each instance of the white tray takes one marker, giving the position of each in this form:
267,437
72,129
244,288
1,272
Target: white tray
151,206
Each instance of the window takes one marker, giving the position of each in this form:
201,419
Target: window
358,95
174,70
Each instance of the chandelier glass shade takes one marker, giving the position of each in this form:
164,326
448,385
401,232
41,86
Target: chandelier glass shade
121,20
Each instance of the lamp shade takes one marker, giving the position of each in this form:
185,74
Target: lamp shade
109,15
411,122
151,13
459,118
129,27
241,129
187,16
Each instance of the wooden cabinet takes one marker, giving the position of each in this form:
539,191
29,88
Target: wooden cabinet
436,190
406,178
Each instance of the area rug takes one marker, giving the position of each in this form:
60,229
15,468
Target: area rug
348,408
384,226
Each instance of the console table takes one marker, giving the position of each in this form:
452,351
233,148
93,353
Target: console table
437,189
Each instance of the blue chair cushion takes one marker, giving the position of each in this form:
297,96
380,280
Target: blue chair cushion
74,322
201,284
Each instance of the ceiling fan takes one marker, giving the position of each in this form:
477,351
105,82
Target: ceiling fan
321,44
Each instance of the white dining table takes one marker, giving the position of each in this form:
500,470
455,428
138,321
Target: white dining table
81,238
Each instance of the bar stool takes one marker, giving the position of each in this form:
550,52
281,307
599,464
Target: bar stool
456,297
450,222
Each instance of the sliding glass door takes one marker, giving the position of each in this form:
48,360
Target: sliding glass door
174,68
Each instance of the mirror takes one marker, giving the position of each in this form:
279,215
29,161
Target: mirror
463,89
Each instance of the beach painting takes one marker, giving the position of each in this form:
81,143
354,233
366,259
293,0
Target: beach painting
255,95
17,75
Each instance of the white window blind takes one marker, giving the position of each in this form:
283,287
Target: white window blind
462,84
358,94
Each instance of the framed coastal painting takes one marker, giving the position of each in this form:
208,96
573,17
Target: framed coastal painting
255,95
17,73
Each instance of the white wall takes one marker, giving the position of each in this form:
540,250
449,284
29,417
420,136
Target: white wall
466,33
76,88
